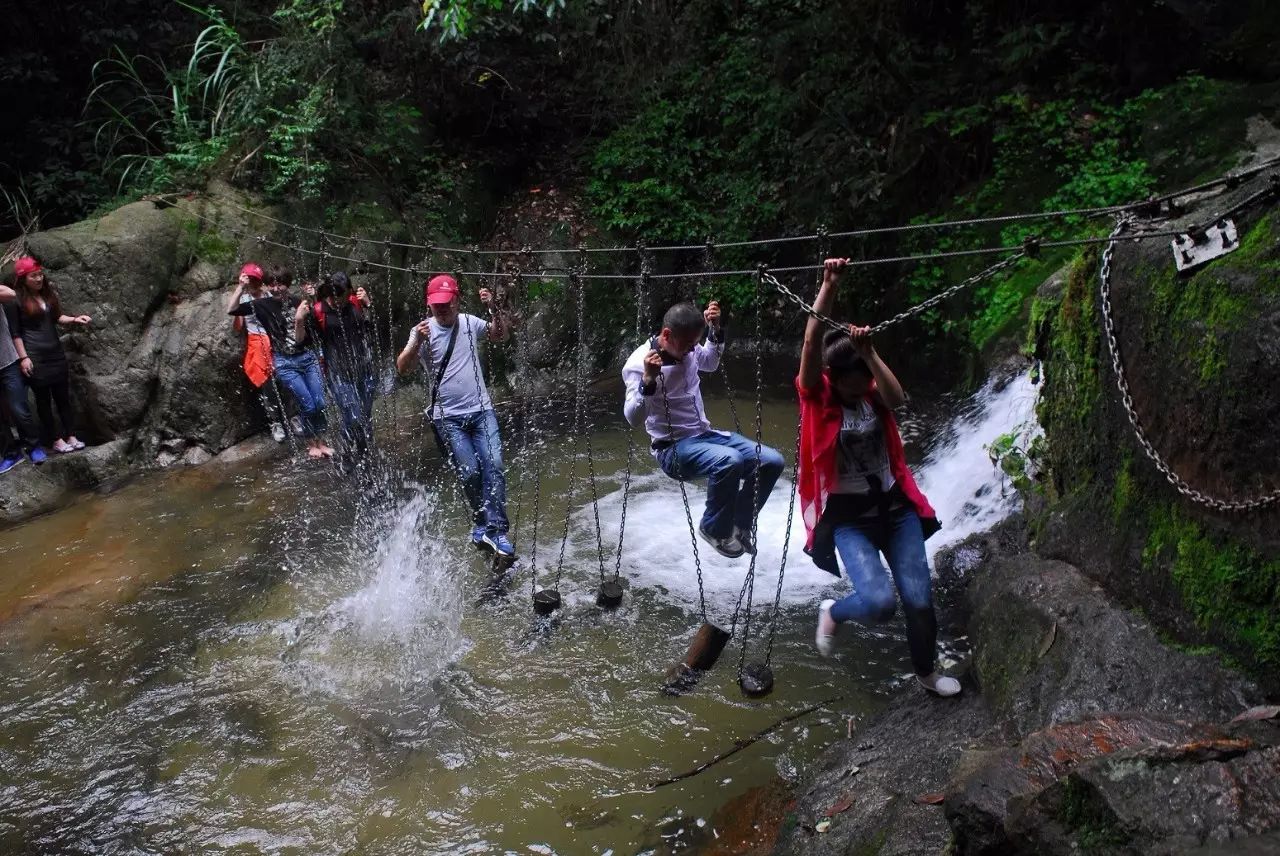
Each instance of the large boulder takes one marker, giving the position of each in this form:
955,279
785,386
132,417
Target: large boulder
156,377
1201,353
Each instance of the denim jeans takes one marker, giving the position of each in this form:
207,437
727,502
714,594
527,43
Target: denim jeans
860,543
15,394
728,462
475,450
350,396
300,373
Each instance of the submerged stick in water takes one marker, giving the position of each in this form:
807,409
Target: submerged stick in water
743,744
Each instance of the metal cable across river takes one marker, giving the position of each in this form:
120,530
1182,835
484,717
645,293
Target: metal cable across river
259,658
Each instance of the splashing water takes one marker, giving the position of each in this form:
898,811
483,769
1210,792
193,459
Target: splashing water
401,627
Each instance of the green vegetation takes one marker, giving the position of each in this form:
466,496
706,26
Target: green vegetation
1229,590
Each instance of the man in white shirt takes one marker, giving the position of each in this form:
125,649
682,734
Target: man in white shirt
460,409
663,390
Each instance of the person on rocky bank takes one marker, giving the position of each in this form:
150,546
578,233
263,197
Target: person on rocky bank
857,495
33,324
285,320
664,392
345,329
460,410
257,363
14,410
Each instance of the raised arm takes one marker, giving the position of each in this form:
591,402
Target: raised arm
404,360
7,294
811,353
499,322
300,316
232,302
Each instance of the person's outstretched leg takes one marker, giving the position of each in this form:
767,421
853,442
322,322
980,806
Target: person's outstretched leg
708,455
910,566
488,446
751,499
457,434
872,600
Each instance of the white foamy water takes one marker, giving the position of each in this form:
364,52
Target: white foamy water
957,475
403,625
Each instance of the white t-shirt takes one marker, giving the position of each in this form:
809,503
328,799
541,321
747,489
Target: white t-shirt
861,451
683,387
251,323
462,388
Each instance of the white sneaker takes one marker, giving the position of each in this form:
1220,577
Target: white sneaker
940,684
277,432
825,638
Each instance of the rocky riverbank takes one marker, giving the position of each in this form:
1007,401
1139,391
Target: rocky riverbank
1080,731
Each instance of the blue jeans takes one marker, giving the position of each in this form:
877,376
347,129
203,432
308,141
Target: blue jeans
728,462
860,543
475,450
15,396
354,398
300,373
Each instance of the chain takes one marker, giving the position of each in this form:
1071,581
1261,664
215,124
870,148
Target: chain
981,275
641,289
786,544
577,432
684,498
585,422
1122,383
758,297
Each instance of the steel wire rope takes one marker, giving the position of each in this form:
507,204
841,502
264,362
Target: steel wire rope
1153,203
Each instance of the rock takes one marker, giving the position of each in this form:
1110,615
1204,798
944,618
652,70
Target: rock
1099,658
909,749
1130,782
195,456
259,447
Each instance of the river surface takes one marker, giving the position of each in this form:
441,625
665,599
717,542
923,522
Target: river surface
275,658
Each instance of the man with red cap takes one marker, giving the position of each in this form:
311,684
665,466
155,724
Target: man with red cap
461,412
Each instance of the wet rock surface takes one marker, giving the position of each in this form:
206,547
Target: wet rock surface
1078,731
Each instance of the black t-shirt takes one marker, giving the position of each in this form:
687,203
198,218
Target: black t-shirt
39,334
276,318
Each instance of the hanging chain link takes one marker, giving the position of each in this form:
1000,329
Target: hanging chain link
578,385
1122,383
684,498
978,277
757,299
642,283
584,424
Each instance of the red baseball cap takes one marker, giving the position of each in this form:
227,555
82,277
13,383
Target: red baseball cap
442,289
252,270
26,265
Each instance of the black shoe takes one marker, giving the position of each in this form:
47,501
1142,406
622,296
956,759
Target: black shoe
744,538
727,547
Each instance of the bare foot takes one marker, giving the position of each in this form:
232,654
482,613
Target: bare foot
315,452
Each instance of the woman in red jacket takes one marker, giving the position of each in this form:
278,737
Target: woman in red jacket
857,496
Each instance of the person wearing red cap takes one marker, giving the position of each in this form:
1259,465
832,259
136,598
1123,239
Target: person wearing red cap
460,410
14,409
258,366
33,323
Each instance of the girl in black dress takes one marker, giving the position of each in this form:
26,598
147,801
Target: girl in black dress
33,322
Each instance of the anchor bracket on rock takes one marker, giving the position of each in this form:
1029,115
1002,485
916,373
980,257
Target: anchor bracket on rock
1198,246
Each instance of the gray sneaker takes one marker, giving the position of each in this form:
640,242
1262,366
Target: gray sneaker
277,432
727,547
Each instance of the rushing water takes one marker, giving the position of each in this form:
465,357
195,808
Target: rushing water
273,658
